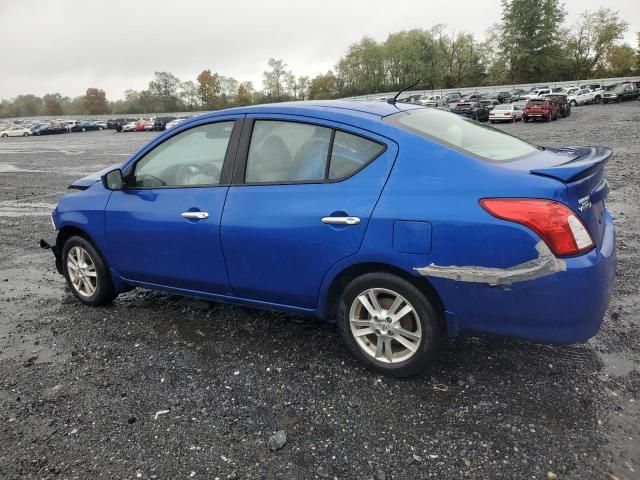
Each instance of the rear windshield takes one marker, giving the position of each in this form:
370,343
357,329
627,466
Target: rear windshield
482,141
537,102
503,107
464,104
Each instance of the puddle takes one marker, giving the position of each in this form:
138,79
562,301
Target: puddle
16,208
8,168
616,365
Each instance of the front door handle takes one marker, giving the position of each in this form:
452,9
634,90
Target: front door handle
341,220
195,215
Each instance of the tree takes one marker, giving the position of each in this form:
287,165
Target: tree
638,53
323,86
52,104
529,38
592,37
95,101
228,90
274,79
620,60
189,94
208,89
164,86
244,95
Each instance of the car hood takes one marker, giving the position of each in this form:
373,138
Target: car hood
86,182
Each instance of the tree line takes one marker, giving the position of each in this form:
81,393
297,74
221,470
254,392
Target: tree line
530,44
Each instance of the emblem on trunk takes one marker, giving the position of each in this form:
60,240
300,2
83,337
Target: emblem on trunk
585,203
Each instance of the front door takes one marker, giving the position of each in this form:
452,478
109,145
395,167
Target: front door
164,228
306,194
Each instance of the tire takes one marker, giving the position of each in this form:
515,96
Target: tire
4,135
619,99
492,121
525,119
597,99
79,251
420,325
547,119
99,129
25,134
573,103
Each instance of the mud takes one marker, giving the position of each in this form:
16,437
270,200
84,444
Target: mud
80,387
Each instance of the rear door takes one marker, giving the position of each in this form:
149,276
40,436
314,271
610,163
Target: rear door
301,200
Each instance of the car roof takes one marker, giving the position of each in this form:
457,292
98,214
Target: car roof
320,107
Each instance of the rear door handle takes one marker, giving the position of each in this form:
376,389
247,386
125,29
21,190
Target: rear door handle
195,215
341,220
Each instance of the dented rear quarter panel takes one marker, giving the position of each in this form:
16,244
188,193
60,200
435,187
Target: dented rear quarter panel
432,183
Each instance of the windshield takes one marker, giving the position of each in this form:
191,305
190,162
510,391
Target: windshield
463,134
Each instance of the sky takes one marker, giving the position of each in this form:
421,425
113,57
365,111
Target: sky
65,46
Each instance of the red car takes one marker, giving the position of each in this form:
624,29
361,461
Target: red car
540,108
144,126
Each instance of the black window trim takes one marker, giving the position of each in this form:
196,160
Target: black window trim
227,163
240,167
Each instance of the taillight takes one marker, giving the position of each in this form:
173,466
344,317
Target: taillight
555,223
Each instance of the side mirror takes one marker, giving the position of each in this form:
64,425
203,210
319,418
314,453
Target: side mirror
113,180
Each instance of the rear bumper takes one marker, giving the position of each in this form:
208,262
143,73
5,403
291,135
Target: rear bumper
564,307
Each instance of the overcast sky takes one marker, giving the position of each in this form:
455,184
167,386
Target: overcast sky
66,46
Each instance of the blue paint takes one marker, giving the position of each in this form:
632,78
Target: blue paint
265,245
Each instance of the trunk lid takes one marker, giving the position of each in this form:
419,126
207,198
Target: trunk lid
581,170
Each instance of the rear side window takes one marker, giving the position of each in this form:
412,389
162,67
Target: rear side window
286,152
482,141
350,153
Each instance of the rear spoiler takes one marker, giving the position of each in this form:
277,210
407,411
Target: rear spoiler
586,160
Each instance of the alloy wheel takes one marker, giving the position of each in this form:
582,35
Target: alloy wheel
385,325
82,271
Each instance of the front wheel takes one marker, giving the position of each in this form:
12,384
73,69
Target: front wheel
573,103
86,272
388,324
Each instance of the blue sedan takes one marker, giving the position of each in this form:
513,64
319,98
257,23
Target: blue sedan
400,223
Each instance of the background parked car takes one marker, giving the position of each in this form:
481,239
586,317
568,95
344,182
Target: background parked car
175,122
15,131
472,110
128,127
540,109
160,123
84,126
564,108
620,93
50,129
583,96
506,112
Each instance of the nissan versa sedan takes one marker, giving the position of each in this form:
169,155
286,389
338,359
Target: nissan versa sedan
400,223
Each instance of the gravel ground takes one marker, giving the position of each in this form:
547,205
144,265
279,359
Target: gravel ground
157,386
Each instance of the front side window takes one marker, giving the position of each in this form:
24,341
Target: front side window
191,158
469,136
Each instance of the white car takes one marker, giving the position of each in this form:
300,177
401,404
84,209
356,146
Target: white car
429,98
505,112
582,96
129,127
537,93
174,123
15,132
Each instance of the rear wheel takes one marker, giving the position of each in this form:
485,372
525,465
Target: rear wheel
86,272
573,103
388,324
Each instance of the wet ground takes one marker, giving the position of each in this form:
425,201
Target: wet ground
83,390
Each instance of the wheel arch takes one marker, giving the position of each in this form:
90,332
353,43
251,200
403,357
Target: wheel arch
342,279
